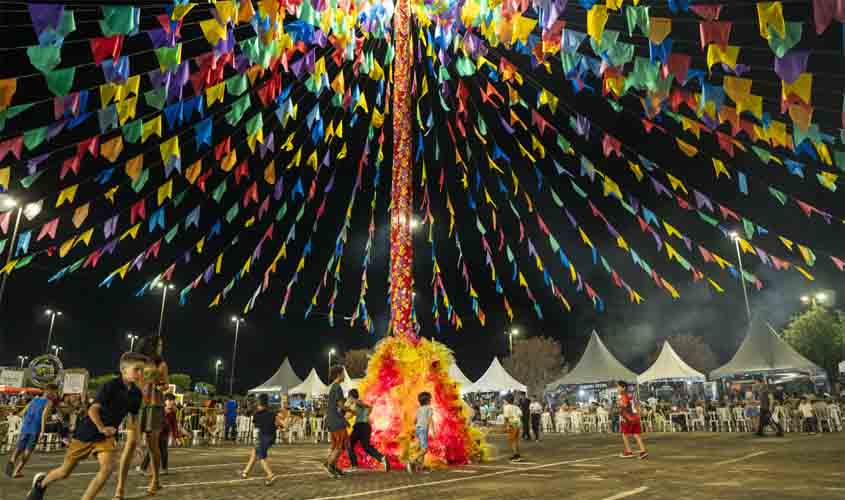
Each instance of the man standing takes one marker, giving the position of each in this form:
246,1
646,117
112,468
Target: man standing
767,403
525,407
536,410
231,417
335,423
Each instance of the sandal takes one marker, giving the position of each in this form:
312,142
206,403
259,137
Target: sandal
244,475
269,481
153,489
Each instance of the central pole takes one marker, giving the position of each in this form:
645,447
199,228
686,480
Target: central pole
161,315
401,195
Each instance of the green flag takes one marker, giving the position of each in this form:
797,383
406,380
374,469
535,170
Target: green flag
156,98
132,131
171,234
142,179
44,59
60,81
237,85
34,137
219,191
232,213
120,20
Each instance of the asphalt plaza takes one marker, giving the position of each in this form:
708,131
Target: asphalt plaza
681,466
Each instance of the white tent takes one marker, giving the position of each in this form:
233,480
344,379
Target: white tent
761,351
458,376
312,387
669,366
349,383
496,379
280,382
596,365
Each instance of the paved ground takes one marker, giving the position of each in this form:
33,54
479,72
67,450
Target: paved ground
682,466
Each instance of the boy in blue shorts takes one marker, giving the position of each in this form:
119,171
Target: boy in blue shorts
425,417
34,418
265,421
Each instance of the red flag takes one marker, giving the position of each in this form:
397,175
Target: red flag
718,32
251,194
106,47
678,65
708,12
139,210
241,171
70,164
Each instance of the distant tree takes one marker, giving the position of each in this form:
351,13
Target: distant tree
356,361
818,334
182,381
94,383
692,349
535,362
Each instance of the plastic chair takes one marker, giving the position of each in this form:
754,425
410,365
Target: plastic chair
546,422
698,420
725,421
835,417
742,424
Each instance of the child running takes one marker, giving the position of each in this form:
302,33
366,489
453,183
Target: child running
34,419
265,421
361,432
425,416
94,434
335,423
513,420
630,420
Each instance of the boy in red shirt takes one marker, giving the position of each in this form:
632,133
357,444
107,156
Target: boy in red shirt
630,421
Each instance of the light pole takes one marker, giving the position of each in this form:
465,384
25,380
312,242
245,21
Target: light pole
132,338
52,313
9,203
23,359
735,237
513,332
329,372
237,321
57,349
164,288
217,366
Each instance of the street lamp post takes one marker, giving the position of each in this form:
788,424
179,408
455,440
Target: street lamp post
329,372
132,338
164,288
735,237
513,332
237,321
31,210
23,359
217,366
57,349
52,313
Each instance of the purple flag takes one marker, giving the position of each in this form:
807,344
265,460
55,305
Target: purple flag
110,227
791,65
279,189
45,16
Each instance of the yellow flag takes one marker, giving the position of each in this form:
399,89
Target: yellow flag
229,161
169,149
676,183
342,153
165,191
215,93
218,267
802,87
715,286
65,247
585,238
824,154
659,29
720,169
737,88
107,92
753,104
536,145
805,273
596,19
727,54
378,119
213,31
109,195
80,214
132,232
193,171
296,159
610,187
312,160
67,194
770,15
200,245
126,109
84,237
787,243
671,231
270,173
687,148
5,177
112,148
636,169
151,127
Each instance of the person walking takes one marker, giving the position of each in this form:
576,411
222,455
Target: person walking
335,423
266,422
767,404
525,407
361,432
513,420
630,421
32,428
423,425
231,418
536,410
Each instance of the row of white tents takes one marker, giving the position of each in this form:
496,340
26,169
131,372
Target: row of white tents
762,351
285,381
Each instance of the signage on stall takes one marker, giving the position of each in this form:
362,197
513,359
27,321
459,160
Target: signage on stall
45,369
11,378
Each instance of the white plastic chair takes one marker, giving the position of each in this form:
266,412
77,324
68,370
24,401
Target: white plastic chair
697,420
835,417
725,421
742,424
13,430
561,421
546,422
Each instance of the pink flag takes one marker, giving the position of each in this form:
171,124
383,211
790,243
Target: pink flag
48,229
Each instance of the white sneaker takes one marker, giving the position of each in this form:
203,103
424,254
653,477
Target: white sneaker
409,468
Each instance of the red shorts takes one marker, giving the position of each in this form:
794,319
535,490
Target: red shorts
631,427
340,440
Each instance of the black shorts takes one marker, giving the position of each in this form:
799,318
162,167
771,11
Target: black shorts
265,441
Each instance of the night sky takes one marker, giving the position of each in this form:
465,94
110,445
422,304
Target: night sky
96,320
